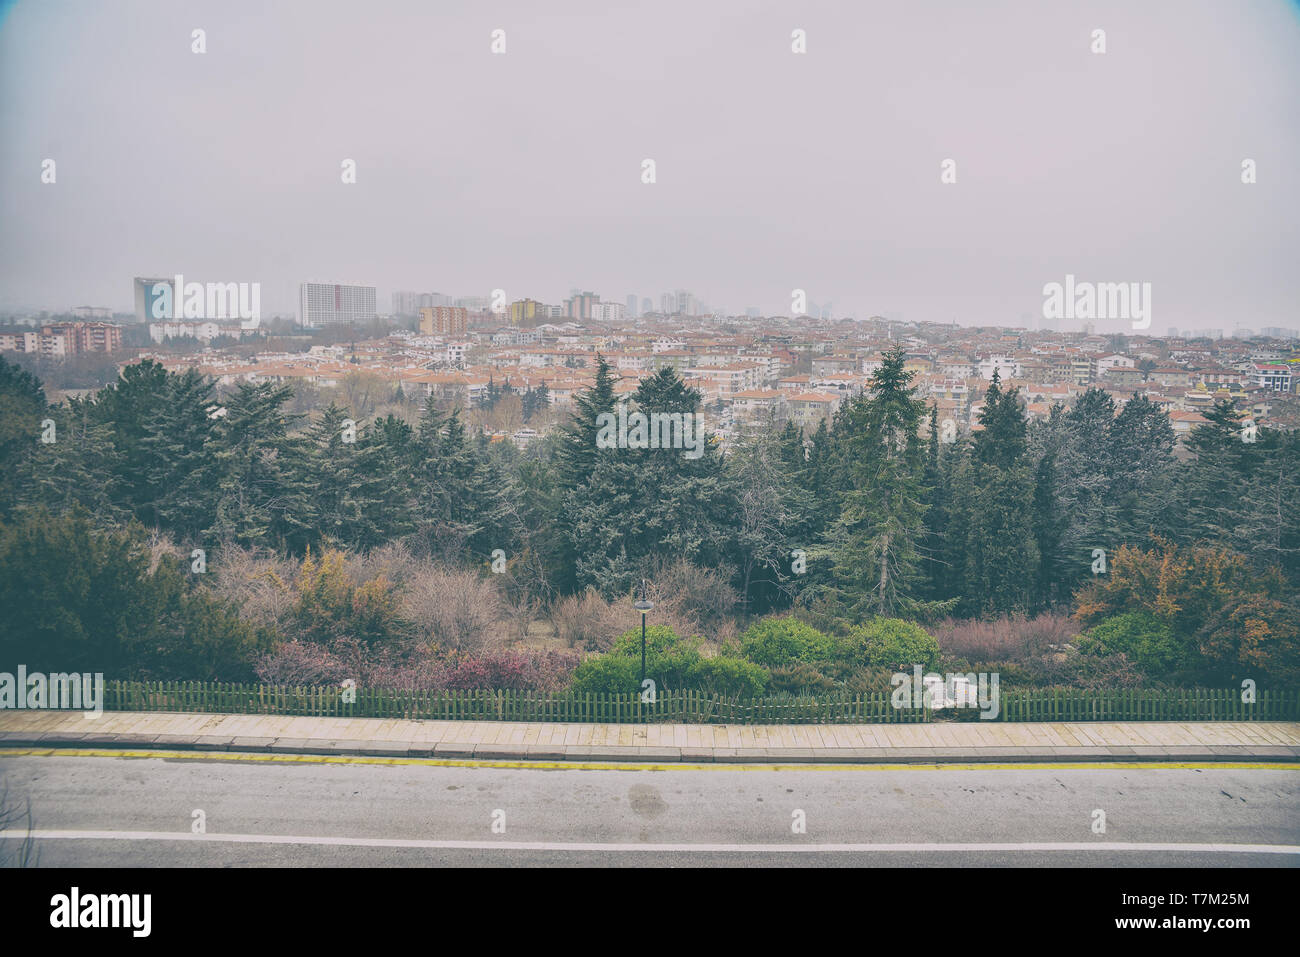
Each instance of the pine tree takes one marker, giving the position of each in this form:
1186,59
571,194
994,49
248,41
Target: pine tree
576,460
377,484
131,406
22,409
1001,551
882,525
1239,491
1141,455
1049,531
251,502
178,460
77,469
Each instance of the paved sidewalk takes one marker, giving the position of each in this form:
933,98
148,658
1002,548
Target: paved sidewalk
505,740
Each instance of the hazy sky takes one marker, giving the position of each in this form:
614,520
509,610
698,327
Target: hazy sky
775,170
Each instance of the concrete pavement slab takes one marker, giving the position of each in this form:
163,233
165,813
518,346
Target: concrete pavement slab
385,749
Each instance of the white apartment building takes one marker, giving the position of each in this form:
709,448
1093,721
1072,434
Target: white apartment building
771,365
321,304
1276,378
456,353
1007,367
723,382
1114,362
629,361
759,404
205,330
956,369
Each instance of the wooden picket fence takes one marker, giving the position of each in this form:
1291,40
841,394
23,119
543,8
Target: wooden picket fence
1135,704
689,707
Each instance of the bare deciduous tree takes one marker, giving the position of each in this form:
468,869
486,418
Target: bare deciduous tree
453,608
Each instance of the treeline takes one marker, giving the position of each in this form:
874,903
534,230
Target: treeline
872,516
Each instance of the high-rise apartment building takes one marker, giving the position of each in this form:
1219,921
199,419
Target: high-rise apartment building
410,303
580,305
321,303
444,320
146,291
526,312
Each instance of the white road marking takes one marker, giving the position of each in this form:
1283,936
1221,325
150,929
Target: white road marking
644,848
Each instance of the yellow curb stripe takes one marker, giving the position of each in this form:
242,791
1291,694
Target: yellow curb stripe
258,756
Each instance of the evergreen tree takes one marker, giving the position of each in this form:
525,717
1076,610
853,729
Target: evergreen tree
1049,531
22,409
1239,491
251,505
881,527
576,460
77,469
131,406
177,464
375,485
1141,455
1001,551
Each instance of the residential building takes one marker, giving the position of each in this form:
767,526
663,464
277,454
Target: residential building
1274,377
444,321
321,304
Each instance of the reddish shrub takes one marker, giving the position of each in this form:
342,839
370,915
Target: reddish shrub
309,663
1006,639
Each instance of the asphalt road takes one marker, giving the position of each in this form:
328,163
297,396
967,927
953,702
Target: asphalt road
140,812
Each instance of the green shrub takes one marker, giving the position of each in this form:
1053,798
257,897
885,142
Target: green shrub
870,681
669,657
672,662
800,677
660,642
1146,640
894,643
729,676
607,674
783,641
78,597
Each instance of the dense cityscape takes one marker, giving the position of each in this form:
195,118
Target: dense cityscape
797,368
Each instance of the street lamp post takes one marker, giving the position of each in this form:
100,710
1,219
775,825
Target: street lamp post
643,606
